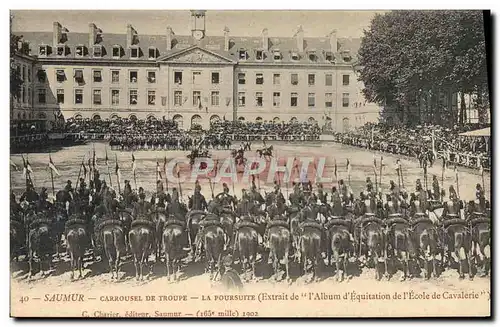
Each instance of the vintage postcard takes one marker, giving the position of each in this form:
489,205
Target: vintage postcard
244,164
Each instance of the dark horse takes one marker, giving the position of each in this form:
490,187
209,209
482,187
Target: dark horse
246,244
40,243
338,235
174,238
459,243
193,219
310,245
110,233
266,152
280,241
142,243
481,239
213,242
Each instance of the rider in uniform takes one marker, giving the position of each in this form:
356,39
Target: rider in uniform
68,188
322,196
369,185
435,188
30,194
337,206
43,205
142,207
197,202
451,208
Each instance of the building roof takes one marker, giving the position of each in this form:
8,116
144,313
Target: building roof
478,132
286,46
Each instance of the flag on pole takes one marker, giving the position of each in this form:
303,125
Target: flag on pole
134,167
374,163
117,171
158,170
348,168
481,170
444,163
13,165
27,167
455,170
106,159
53,167
176,170
381,162
84,170
335,168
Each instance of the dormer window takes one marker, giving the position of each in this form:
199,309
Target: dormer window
134,52
152,53
312,56
242,54
295,56
61,50
43,50
259,55
346,56
80,51
329,56
116,51
60,75
79,76
276,55
97,51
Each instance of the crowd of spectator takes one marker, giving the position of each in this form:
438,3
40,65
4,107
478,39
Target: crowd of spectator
466,151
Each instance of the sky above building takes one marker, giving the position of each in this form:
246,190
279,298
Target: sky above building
241,23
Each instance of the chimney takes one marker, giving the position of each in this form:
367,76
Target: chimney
92,35
130,35
333,41
170,33
265,39
56,34
226,38
299,36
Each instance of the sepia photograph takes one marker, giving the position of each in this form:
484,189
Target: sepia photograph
250,163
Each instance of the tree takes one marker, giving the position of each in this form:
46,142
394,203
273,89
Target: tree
413,58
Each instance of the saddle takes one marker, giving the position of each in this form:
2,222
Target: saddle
38,222
311,224
277,223
371,219
454,221
335,221
420,219
245,223
473,222
209,222
74,221
193,212
143,223
173,221
396,220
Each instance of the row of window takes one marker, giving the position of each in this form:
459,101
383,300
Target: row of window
196,77
179,100
294,79
277,55
97,50
294,99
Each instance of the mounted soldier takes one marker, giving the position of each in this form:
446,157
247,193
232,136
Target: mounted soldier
97,181
142,208
127,193
435,188
369,185
255,195
394,189
197,202
30,194
159,198
43,205
337,206
175,207
344,192
322,196
225,199
296,197
246,208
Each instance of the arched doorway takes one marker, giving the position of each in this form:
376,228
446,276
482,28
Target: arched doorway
214,118
132,117
311,120
276,120
78,117
241,118
179,121
151,117
196,121
293,120
345,124
96,117
258,119
114,117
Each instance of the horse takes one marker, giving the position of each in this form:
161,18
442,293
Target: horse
173,238
424,242
481,238
126,218
398,234
239,157
459,243
40,243
246,244
193,219
161,218
213,236
60,218
17,239
111,233
142,242
266,152
310,245
340,246
77,241
280,240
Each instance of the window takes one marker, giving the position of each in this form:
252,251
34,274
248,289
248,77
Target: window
133,97
294,100
259,78
97,76
295,56
29,95
29,74
177,98
23,76
329,56
97,51
328,100
328,79
196,98
215,78
345,100
134,53
78,96
60,50
310,100
294,79
276,99
41,96
152,53
97,97
115,76
60,96
242,54
42,75
277,55
115,97
311,79
312,56
215,98
241,99
259,99
241,78
133,76
196,77
116,51
259,55
178,78
60,75
151,98
42,50
79,76
152,77
80,51
345,79
276,79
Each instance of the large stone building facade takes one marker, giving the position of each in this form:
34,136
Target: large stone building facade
197,78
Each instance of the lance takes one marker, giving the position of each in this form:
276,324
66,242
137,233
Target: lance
117,174
381,165
133,170
401,173
456,177
109,174
442,172
179,182
52,179
165,169
79,172
482,179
